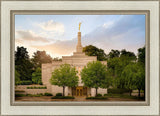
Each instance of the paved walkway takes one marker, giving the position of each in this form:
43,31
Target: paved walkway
83,98
80,98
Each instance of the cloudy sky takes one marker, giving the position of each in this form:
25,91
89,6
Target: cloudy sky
57,34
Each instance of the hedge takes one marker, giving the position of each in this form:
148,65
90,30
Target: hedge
36,87
59,94
20,95
117,91
25,83
62,97
96,98
48,94
33,95
99,95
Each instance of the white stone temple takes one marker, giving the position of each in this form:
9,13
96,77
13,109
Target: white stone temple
79,60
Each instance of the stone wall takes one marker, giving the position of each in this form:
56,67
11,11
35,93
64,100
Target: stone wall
31,91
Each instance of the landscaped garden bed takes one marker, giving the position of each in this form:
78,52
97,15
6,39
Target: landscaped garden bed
102,97
63,97
33,95
36,87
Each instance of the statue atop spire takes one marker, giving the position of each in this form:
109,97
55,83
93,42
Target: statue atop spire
79,45
80,25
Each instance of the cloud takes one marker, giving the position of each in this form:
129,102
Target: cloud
127,32
29,36
52,26
59,47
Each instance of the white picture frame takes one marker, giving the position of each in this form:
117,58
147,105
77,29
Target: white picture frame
8,109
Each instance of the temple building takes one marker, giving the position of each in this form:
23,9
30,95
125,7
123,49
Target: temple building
79,60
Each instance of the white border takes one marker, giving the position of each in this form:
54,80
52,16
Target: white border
153,109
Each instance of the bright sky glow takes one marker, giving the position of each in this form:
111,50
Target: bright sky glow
57,34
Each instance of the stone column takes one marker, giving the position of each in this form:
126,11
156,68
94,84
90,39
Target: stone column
79,45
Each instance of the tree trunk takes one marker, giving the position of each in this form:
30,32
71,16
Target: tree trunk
96,91
130,92
63,90
139,92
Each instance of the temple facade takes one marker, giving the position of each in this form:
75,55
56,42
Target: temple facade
78,60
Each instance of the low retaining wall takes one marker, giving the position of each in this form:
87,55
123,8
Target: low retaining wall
21,88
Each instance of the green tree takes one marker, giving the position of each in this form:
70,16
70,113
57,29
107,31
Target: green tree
17,78
95,75
128,55
133,77
116,64
129,77
23,64
40,57
140,78
141,55
141,61
114,53
94,51
64,76
36,76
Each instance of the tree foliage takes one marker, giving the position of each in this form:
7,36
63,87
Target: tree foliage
36,76
91,50
95,75
116,63
40,57
133,77
23,64
17,78
64,76
141,55
113,54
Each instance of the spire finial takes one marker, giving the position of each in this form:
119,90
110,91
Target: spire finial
80,25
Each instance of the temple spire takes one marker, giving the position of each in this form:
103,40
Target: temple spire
79,47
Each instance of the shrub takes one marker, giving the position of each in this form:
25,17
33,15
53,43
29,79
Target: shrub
59,94
36,95
96,98
62,97
29,95
19,95
36,87
25,82
117,91
99,95
40,83
48,94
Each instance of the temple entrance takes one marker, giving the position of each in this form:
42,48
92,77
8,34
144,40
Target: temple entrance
79,91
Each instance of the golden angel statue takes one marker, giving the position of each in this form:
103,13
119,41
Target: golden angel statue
80,26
